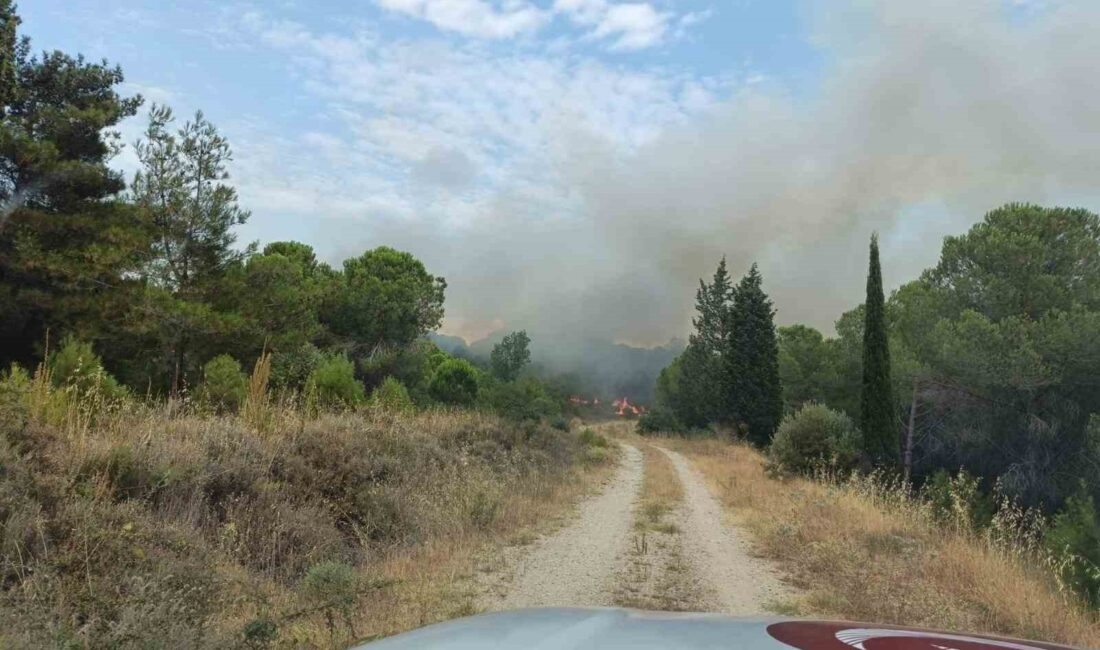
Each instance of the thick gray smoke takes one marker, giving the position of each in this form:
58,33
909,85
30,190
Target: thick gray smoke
927,115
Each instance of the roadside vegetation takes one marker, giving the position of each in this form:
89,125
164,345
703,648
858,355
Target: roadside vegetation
861,548
975,383
128,523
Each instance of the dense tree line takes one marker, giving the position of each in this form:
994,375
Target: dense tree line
148,278
980,379
729,374
995,353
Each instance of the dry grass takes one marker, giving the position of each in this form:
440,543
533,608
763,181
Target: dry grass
661,492
862,552
139,526
657,576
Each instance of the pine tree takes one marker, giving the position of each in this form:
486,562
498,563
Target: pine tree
69,248
877,418
701,368
181,191
752,361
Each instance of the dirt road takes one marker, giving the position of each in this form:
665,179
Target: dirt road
716,549
701,562
576,565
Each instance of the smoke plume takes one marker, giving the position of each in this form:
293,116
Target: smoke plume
926,115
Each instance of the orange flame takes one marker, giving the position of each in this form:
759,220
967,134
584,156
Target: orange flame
623,407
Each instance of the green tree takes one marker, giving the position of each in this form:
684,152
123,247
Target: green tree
454,382
752,361
510,356
698,378
878,418
181,192
807,366
68,244
1022,260
333,382
384,298
278,294
224,383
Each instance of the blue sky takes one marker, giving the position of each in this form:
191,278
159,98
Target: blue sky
576,164
290,75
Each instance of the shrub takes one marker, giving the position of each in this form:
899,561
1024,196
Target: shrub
658,420
525,399
334,382
812,436
292,369
224,383
330,584
13,407
76,365
595,455
590,438
1075,537
958,500
454,382
331,587
391,397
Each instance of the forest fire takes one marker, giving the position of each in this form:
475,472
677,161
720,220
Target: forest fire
623,407
580,401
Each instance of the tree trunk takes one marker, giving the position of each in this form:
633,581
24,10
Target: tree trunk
907,459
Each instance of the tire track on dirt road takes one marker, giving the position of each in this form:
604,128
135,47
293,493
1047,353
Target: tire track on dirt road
577,565
743,585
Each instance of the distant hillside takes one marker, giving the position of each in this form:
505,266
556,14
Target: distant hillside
598,366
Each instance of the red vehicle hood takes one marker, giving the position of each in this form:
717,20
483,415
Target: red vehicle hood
620,629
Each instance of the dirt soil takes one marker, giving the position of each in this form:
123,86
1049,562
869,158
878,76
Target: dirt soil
702,562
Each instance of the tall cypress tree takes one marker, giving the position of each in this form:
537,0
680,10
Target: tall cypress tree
752,365
877,418
701,369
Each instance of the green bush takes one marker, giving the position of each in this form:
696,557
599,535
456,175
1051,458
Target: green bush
391,397
224,383
330,584
76,365
292,369
660,419
13,407
590,438
524,399
813,436
334,382
454,382
959,500
1074,536
331,587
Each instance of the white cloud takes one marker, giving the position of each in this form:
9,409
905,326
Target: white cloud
625,25
477,18
630,25
634,26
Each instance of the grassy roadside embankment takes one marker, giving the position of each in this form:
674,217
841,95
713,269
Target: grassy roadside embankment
132,526
862,552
